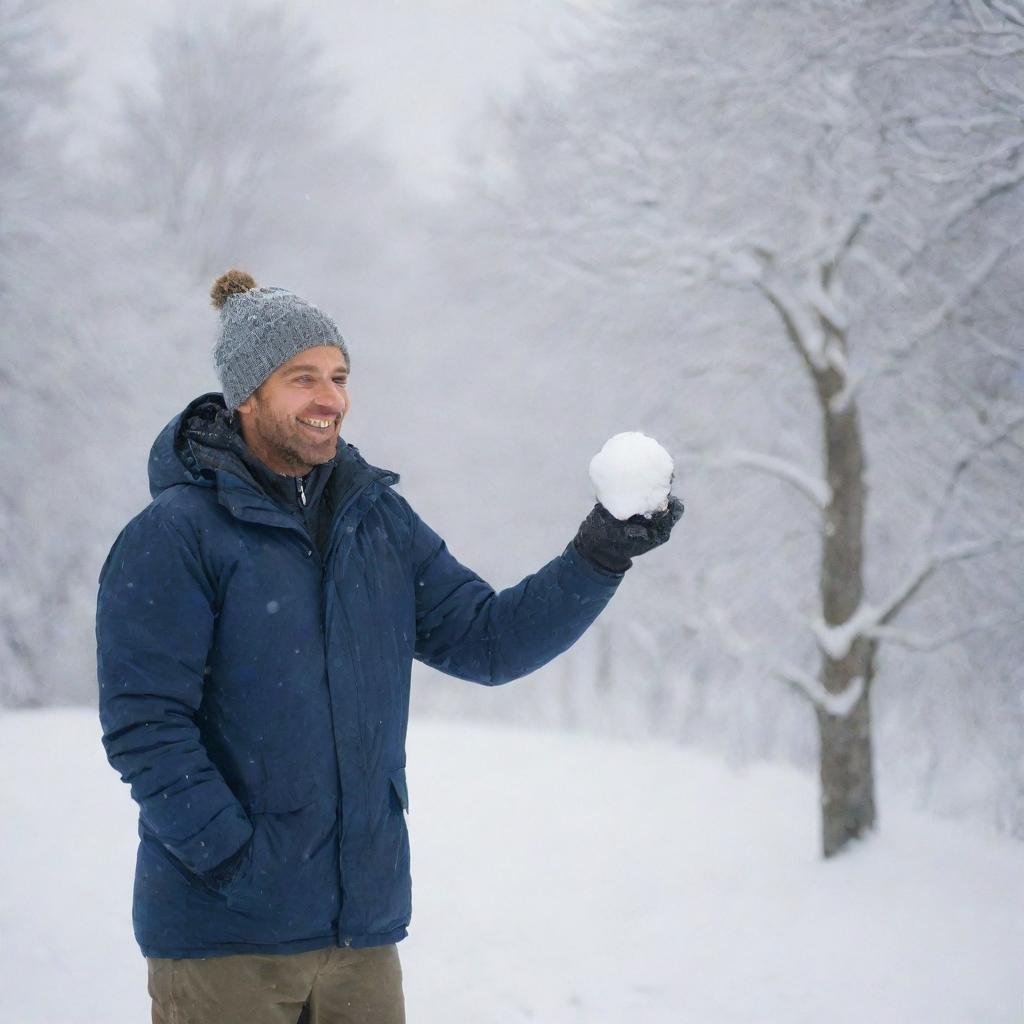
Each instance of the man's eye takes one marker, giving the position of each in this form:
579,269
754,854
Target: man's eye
341,380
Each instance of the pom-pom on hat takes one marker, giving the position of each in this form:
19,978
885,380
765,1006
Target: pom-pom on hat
260,330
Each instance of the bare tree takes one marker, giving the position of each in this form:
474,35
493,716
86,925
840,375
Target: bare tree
104,271
844,178
237,143
32,90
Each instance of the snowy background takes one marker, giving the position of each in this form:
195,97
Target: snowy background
539,224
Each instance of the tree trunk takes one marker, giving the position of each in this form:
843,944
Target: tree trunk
847,775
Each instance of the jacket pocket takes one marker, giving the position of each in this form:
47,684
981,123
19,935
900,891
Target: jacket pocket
399,789
384,871
282,849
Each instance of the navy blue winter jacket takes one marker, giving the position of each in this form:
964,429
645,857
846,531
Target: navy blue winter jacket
255,695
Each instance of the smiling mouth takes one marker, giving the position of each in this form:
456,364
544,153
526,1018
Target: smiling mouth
320,426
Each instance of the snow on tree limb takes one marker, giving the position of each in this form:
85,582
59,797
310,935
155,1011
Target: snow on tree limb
965,461
955,553
948,309
814,321
1011,49
847,239
818,298
998,184
837,640
1004,87
919,642
1009,11
806,337
838,705
973,281
841,400
807,484
998,349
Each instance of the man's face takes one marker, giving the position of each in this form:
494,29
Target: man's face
292,421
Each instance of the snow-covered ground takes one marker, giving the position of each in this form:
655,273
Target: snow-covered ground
558,879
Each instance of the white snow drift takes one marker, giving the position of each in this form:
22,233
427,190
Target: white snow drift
558,879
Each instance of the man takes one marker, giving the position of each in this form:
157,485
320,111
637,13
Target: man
256,626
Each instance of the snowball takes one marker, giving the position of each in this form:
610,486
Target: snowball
631,475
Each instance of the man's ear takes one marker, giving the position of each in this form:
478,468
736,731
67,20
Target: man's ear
247,405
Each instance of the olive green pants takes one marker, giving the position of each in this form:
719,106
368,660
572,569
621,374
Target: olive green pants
341,985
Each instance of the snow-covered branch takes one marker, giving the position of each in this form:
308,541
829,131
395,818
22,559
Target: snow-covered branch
918,642
836,641
997,349
867,621
964,462
998,184
995,51
818,298
807,337
805,315
1009,11
838,705
945,311
974,280
1003,87
915,579
809,485
849,234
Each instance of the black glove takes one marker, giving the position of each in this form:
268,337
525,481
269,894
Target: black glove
612,544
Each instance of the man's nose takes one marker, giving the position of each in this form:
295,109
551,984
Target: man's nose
328,399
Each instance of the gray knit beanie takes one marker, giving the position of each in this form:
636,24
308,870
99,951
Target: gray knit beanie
261,329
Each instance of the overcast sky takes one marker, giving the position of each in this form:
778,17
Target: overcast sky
420,71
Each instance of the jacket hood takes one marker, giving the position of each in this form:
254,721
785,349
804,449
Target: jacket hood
173,460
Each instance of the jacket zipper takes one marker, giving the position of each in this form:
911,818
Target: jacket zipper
385,479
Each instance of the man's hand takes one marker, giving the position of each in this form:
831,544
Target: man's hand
612,544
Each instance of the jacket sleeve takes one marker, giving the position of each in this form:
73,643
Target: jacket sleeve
154,627
465,628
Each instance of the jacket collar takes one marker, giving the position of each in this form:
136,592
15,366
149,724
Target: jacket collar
202,446
212,436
